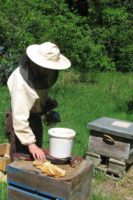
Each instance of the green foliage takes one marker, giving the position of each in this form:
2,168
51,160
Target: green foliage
101,196
114,15
99,175
99,42
4,106
112,28
3,190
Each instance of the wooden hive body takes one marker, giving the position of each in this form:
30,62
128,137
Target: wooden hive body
27,182
112,139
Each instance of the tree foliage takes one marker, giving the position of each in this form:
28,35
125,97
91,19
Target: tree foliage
112,26
99,41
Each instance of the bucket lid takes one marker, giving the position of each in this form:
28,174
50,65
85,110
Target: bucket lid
62,132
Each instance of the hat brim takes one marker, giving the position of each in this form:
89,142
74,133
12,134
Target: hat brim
32,52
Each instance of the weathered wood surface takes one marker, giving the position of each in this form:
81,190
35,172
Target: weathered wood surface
119,150
75,185
116,167
94,157
130,159
4,149
3,163
16,194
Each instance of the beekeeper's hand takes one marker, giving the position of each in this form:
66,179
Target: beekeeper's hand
36,152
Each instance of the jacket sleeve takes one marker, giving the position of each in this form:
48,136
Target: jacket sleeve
22,101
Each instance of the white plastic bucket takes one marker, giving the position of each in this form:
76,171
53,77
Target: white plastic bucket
61,142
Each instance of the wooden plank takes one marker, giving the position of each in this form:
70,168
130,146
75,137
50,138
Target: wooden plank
15,194
80,177
119,150
39,182
96,160
82,186
117,168
130,159
4,149
3,163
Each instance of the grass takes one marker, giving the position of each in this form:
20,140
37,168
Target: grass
81,103
3,191
106,94
100,196
98,192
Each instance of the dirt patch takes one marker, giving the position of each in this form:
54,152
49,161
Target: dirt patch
115,189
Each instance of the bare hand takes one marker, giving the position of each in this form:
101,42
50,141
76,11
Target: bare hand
36,152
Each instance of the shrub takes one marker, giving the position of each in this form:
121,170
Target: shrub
96,42
112,28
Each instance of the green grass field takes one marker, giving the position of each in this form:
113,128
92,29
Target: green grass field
104,94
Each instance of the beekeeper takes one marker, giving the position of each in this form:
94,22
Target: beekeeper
28,86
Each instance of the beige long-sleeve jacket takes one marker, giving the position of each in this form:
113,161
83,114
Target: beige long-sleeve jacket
24,100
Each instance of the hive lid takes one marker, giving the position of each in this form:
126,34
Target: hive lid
113,126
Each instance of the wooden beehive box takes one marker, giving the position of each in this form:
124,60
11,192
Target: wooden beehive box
111,144
27,182
4,156
4,149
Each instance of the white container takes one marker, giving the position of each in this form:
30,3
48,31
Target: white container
61,142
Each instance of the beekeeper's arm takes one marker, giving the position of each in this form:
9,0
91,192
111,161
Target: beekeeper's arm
22,102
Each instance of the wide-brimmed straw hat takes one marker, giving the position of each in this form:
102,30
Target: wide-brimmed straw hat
47,55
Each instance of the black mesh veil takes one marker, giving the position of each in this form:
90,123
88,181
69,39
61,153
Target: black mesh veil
34,79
